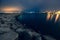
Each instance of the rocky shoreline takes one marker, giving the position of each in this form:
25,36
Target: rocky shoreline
11,29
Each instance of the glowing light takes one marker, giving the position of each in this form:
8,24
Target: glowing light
58,12
48,15
11,9
57,16
51,14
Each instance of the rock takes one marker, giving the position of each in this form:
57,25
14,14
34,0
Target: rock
9,36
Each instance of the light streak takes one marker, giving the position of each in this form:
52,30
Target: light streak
57,16
50,15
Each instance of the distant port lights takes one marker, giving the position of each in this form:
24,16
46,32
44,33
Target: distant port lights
50,15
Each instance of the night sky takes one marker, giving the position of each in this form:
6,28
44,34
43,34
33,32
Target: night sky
38,4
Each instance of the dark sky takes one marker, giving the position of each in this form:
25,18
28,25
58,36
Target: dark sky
45,4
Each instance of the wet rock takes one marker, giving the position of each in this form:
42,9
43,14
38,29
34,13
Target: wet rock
24,36
9,36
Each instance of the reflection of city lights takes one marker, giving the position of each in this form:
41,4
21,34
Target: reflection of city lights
51,14
48,15
57,15
11,9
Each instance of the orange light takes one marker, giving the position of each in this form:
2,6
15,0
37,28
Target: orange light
48,15
11,9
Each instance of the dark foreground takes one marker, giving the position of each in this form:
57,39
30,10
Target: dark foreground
38,23
36,28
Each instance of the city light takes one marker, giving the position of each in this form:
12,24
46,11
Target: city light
11,9
51,14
